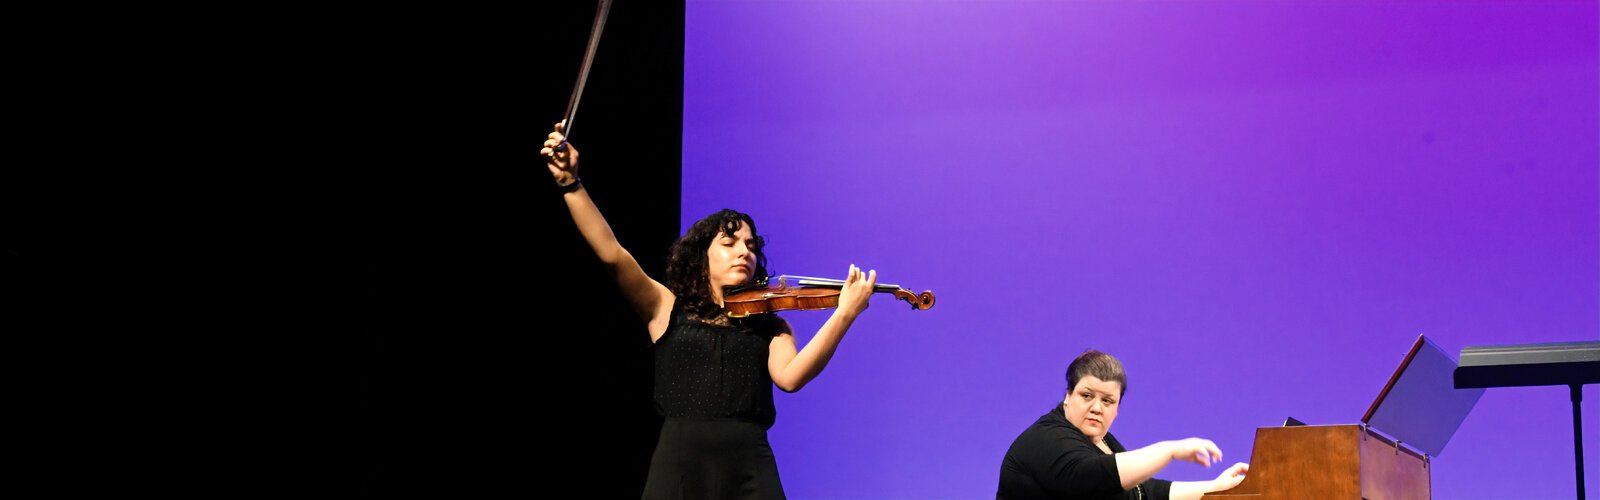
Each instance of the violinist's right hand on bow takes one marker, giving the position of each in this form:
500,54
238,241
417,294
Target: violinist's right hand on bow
563,164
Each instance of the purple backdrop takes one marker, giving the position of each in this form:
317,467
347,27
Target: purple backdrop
1257,206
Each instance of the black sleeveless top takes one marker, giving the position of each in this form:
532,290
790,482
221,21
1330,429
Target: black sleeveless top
706,371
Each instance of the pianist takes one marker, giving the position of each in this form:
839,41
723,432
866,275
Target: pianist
1069,453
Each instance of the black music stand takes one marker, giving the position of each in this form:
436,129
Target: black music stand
1573,364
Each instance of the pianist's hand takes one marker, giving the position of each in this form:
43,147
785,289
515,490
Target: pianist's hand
1195,450
1230,478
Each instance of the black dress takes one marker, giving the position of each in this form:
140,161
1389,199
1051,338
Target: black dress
1053,459
713,387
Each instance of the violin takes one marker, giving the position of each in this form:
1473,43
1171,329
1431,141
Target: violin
806,294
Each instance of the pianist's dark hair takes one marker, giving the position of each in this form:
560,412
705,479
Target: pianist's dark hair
1098,365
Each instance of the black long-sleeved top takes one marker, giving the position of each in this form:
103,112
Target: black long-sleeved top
1054,460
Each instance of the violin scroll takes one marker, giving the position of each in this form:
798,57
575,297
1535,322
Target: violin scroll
919,302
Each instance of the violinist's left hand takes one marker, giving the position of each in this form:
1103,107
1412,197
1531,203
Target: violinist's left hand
858,287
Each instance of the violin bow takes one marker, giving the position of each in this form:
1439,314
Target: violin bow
601,11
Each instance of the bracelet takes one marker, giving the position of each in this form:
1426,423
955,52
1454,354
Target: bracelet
576,183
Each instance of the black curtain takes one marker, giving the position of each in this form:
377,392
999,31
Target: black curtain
317,253
492,338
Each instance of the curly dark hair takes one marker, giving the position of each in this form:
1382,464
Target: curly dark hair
686,266
1098,365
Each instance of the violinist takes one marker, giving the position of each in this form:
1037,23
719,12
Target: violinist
713,374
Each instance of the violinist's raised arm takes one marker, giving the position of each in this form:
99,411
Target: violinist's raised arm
713,374
650,300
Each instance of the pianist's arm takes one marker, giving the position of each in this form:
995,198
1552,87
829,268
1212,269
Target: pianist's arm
1138,466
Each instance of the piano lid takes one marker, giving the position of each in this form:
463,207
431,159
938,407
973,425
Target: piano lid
1420,405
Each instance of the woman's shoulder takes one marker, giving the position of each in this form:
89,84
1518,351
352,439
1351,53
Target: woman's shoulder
1055,425
1053,436
1116,446
687,312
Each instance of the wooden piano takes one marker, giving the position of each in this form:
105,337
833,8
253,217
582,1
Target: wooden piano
1419,405
1330,461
